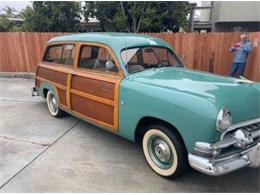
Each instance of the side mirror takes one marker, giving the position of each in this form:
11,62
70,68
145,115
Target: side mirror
109,65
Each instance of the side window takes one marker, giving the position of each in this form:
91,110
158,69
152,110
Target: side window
60,54
67,54
53,54
96,58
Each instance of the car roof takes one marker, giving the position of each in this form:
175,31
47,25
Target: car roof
117,41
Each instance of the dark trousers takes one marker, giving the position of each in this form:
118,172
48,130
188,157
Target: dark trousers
237,68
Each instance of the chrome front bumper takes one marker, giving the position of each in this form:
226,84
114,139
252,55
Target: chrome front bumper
215,167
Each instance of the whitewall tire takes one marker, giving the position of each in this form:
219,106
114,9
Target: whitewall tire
163,151
53,105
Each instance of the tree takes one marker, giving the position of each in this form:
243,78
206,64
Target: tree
5,23
133,13
52,16
164,16
27,15
9,11
108,13
139,16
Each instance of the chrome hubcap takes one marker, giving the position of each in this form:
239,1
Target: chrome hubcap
160,152
53,104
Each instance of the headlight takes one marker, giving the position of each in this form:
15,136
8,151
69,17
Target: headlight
223,120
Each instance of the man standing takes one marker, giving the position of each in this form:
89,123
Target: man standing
242,49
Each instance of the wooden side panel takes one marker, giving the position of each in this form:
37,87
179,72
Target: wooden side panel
94,94
93,109
94,87
62,96
52,75
57,76
90,96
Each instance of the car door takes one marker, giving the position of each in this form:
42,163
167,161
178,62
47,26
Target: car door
94,85
55,69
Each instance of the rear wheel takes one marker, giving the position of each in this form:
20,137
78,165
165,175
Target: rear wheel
53,105
164,151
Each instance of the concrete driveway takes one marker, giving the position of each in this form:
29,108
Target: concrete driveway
40,153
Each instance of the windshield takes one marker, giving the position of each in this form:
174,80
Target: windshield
142,58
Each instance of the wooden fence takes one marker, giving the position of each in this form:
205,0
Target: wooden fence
21,51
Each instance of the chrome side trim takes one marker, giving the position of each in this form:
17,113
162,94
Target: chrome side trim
240,124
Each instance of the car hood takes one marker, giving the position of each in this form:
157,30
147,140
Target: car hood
241,98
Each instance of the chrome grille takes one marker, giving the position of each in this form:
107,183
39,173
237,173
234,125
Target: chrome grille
252,127
249,127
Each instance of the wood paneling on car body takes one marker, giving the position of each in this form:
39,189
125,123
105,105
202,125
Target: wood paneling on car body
91,95
93,109
52,75
62,96
93,86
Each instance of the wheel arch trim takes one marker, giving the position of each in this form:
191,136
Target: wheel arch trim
149,120
47,86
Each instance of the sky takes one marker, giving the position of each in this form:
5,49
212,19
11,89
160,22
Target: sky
18,5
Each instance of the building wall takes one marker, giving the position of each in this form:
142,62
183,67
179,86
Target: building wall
227,16
238,11
205,13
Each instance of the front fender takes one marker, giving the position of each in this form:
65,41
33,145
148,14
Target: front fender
193,116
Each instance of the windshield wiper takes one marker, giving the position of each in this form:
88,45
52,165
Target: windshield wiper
139,70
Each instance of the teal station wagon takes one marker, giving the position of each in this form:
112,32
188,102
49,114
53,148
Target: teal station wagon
136,86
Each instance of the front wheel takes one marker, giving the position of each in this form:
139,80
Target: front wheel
164,151
53,105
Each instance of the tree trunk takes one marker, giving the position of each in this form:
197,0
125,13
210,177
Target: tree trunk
123,11
140,20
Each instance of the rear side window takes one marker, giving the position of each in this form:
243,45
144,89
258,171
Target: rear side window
60,54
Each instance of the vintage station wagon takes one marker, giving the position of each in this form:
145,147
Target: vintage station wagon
135,86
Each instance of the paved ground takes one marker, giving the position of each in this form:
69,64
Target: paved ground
39,153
